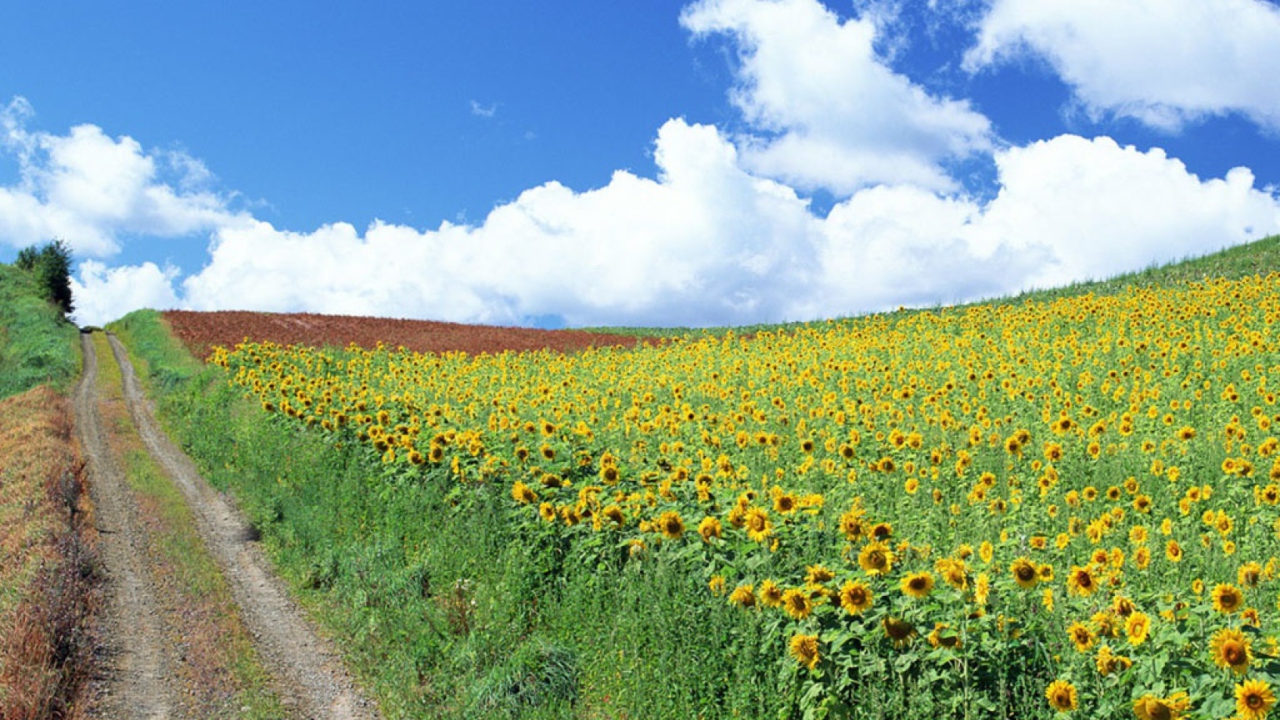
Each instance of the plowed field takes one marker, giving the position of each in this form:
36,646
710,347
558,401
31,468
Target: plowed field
200,331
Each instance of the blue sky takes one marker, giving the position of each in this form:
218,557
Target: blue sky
630,162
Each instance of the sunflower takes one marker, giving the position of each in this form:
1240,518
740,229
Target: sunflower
613,514
709,528
744,596
1249,574
898,630
1150,707
716,584
547,511
756,521
784,503
985,551
981,589
523,494
1227,598
876,558
917,584
817,574
804,648
852,524
1061,695
944,636
1254,699
1024,573
770,594
670,524
1108,663
1081,636
953,572
1081,581
1229,648
1137,627
855,597
797,603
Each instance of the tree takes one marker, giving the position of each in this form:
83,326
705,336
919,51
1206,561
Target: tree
51,265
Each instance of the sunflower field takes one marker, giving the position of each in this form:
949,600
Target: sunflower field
1074,503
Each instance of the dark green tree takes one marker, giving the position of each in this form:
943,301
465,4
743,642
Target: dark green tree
51,265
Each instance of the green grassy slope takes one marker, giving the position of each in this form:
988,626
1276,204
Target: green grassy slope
36,345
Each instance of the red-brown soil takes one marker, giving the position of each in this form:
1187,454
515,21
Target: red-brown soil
200,331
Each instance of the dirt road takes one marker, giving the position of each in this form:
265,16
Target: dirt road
308,675
135,666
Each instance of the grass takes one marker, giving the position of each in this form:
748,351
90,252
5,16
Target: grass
47,586
222,671
36,345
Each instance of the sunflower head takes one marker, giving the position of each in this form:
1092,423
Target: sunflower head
1061,696
770,594
898,630
1150,707
918,584
804,648
744,596
1024,573
876,558
855,597
1081,581
1227,598
797,603
1229,648
1254,699
1081,636
1137,627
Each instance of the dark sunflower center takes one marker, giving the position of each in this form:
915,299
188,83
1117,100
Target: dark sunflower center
1233,653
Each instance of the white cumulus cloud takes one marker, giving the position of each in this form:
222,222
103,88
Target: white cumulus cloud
102,294
832,114
705,242
1163,62
90,189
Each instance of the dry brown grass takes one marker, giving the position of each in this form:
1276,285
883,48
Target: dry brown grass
47,588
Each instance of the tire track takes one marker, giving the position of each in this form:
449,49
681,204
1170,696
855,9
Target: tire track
136,668
308,671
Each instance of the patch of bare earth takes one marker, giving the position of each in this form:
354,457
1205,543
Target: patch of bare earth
310,677
200,331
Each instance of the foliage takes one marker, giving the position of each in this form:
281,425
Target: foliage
51,266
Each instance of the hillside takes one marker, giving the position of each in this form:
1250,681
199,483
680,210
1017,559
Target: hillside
893,515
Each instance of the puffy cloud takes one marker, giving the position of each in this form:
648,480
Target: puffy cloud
102,294
703,243
1104,209
709,243
1164,62
834,115
90,189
